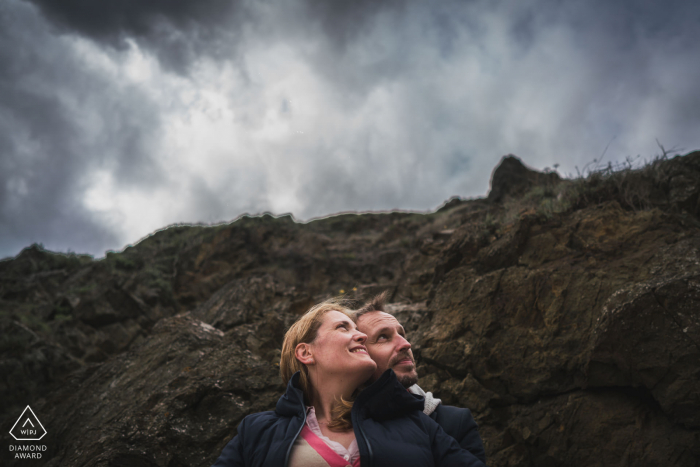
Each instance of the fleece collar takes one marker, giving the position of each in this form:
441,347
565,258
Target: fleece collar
431,403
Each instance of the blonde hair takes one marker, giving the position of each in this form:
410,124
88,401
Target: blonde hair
305,330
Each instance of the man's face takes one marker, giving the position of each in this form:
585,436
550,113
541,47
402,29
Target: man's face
388,347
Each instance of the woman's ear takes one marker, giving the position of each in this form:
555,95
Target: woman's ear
304,354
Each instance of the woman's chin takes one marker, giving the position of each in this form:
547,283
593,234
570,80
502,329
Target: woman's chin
363,369
369,369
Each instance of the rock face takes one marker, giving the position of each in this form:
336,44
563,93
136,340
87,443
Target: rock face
565,314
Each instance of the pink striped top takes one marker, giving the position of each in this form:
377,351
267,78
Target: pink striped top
312,449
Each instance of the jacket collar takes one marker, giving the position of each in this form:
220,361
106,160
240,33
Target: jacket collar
384,399
292,402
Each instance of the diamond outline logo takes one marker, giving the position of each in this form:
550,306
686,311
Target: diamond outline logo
35,418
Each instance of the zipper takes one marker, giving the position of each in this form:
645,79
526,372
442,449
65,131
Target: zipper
369,447
291,445
355,423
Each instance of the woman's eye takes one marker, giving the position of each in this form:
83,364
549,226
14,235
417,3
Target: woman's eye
342,326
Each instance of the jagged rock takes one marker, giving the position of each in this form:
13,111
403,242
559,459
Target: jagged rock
606,427
241,301
571,330
173,400
678,180
648,337
29,364
511,178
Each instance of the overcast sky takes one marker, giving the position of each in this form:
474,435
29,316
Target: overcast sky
120,118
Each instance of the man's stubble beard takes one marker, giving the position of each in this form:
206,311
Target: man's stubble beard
406,380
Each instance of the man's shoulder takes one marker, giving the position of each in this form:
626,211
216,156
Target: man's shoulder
459,423
451,410
451,415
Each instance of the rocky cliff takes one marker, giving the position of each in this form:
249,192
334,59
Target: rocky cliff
564,313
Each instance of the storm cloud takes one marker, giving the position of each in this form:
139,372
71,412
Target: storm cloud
120,118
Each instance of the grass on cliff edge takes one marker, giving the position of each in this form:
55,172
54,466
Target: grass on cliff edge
635,185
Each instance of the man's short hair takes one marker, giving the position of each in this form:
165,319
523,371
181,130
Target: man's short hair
375,304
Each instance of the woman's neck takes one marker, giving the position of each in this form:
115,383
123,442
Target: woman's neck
327,393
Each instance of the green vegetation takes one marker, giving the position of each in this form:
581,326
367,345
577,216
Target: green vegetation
12,342
35,260
633,184
123,261
635,188
61,308
84,289
32,321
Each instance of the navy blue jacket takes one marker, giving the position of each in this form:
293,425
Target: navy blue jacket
459,423
389,425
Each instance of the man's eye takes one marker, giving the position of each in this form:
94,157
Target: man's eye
381,336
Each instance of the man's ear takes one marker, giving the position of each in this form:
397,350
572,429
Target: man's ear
304,354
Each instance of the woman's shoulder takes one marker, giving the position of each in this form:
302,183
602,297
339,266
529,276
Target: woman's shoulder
262,421
258,441
267,415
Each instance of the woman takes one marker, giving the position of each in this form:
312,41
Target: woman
316,422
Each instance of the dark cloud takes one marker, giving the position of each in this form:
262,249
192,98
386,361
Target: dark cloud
49,143
343,21
178,31
110,20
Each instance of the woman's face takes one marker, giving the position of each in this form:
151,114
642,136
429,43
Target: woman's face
339,349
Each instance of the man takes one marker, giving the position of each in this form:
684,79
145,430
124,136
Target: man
388,347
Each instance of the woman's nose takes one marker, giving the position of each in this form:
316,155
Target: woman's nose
360,337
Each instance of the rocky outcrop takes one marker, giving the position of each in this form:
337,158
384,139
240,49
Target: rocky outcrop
511,179
565,314
172,400
596,310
